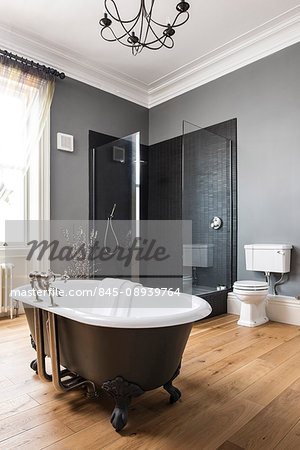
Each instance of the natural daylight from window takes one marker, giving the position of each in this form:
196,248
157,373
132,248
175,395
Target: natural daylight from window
12,161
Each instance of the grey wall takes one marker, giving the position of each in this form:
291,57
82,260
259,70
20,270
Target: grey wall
76,109
265,98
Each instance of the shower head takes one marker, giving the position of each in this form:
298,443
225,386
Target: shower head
113,211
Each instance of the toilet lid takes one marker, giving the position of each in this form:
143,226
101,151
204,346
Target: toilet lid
250,285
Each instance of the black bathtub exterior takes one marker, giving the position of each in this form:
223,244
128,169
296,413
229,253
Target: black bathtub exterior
148,357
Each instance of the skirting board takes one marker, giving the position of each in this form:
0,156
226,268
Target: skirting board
279,308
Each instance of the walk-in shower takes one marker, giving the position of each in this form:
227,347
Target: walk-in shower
191,177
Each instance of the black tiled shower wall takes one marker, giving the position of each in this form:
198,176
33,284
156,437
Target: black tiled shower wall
207,193
165,180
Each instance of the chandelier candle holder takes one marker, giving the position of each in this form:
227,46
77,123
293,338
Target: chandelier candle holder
142,31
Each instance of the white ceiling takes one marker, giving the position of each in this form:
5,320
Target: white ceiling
56,31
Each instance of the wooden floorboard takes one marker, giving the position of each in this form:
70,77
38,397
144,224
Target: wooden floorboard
240,390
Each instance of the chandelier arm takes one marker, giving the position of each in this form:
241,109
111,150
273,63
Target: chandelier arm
158,38
115,38
148,20
174,25
141,28
150,46
161,39
118,18
138,48
159,24
174,21
162,44
147,14
127,32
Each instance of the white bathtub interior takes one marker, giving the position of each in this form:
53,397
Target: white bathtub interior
118,303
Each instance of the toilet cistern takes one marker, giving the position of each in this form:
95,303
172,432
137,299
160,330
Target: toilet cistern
268,258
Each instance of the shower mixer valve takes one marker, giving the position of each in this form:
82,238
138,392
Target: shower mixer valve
216,223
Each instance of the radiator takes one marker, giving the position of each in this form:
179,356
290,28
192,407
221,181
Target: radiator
6,302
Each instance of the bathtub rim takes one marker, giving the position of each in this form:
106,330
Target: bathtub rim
188,315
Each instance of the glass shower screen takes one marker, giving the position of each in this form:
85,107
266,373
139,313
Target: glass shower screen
207,202
116,179
116,202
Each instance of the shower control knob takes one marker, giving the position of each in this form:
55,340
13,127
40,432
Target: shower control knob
216,223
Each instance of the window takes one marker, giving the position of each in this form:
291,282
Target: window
12,182
19,188
25,100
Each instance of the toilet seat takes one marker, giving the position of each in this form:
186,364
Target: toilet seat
251,286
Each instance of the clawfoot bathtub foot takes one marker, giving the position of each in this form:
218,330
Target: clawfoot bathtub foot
33,366
175,393
119,416
122,392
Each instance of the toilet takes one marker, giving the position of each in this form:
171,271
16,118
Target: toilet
268,258
252,295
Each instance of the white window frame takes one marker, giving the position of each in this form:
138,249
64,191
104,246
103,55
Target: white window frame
44,190
44,173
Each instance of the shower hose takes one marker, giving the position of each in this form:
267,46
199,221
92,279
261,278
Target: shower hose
109,226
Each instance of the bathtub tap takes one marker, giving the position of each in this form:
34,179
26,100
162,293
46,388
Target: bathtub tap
33,280
43,280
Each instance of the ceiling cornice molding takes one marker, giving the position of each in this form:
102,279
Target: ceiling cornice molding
269,38
74,65
263,41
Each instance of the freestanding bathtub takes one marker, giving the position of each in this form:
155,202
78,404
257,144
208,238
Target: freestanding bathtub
113,334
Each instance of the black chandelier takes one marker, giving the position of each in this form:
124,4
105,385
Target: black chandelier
142,31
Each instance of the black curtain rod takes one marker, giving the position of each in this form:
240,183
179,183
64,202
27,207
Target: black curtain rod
36,65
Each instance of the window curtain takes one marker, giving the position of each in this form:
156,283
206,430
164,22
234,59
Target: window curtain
25,99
